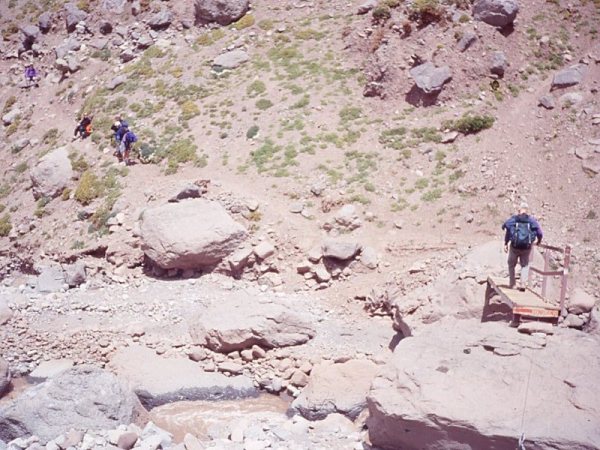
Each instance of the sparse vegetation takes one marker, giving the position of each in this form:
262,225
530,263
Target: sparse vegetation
470,123
5,225
252,132
89,188
264,103
425,12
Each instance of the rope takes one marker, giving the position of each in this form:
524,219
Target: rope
522,438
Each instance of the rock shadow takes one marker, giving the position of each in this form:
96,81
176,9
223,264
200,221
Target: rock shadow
507,30
396,340
417,97
494,310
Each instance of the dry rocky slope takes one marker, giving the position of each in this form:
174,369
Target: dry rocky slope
313,211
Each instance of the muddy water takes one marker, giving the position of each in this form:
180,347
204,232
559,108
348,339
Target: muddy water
198,417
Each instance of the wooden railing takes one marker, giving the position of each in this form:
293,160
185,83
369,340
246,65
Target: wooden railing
546,272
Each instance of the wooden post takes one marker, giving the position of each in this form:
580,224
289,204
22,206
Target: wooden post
546,267
565,275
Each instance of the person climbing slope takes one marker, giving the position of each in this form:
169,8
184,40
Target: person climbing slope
31,76
84,128
129,138
521,231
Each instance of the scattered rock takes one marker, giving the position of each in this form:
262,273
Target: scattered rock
368,258
19,145
571,99
46,410
264,250
547,101
322,274
75,274
127,440
240,322
498,13
113,6
574,321
447,138
336,388
591,166
498,64
5,376
11,116
127,55
189,191
161,20
367,6
536,327
5,311
157,380
50,369
436,390
45,21
429,78
116,82
195,234
297,207
222,12
580,302
73,15
30,34
466,41
230,60
52,174
50,279
568,77
340,250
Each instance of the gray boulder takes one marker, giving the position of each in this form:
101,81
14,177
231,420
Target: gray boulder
222,12
49,369
113,6
547,101
241,321
52,174
466,41
569,77
127,55
498,13
73,15
11,116
161,20
230,60
75,274
4,376
340,250
336,388
194,234
157,380
498,64
83,398
189,191
105,27
30,34
45,22
580,302
72,44
462,384
430,79
116,82
50,279
366,6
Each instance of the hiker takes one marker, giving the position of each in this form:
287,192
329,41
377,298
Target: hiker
31,76
84,129
129,138
522,230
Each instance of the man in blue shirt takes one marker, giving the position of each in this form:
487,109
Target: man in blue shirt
522,230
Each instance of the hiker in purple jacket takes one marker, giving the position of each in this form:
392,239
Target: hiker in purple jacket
522,230
31,75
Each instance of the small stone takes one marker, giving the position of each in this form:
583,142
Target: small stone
547,101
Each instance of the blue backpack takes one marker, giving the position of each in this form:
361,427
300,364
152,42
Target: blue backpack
523,235
130,137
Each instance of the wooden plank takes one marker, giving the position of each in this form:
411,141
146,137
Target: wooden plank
521,299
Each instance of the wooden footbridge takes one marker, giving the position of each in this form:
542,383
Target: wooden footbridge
529,303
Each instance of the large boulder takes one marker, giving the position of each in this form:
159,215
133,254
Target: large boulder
157,380
161,20
471,385
340,250
580,302
45,21
429,78
230,60
222,12
73,15
5,311
569,76
240,321
336,388
194,234
82,398
498,13
52,174
4,376
30,34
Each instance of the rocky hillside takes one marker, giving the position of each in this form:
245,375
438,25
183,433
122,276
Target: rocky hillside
312,182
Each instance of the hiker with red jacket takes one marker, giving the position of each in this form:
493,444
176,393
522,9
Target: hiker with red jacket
522,230
84,128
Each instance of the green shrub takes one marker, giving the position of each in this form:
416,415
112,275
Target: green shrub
189,110
264,104
381,13
21,167
432,195
5,225
10,101
90,188
470,124
425,12
244,22
255,88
